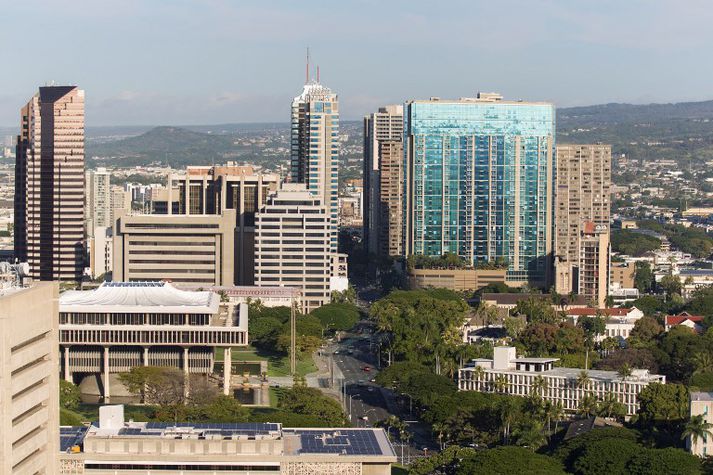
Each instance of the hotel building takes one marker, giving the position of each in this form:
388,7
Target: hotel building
121,325
383,180
508,374
49,200
479,182
29,397
114,446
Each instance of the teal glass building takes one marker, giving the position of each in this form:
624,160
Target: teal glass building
479,177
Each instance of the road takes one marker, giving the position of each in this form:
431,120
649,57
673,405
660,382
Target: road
367,402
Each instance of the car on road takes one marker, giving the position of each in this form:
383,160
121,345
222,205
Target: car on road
366,368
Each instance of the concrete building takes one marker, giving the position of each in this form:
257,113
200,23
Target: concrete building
267,296
49,201
185,249
292,246
619,322
29,397
592,275
119,203
479,177
621,275
210,190
115,446
701,404
508,374
121,325
583,195
459,280
97,198
314,151
101,250
383,180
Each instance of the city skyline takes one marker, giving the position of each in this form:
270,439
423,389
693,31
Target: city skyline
244,68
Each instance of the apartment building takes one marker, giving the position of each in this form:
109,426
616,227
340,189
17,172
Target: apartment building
185,249
508,374
292,246
97,196
49,200
120,325
114,445
592,279
29,397
583,196
701,404
383,180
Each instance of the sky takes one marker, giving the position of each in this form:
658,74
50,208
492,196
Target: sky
189,62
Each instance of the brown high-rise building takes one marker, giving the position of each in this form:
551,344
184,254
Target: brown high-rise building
49,205
383,163
583,196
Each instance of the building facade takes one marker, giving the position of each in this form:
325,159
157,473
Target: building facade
210,191
50,193
29,397
292,245
701,404
114,446
583,195
98,199
314,150
479,182
185,249
121,325
383,180
593,264
508,374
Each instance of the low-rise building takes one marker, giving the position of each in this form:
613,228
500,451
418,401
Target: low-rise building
508,374
619,322
694,322
114,446
121,325
701,404
455,279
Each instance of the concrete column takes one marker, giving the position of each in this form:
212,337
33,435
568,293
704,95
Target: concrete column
146,355
227,367
67,372
107,394
186,374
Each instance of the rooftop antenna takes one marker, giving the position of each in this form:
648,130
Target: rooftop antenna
307,68
317,73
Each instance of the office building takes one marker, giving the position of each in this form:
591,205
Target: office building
29,396
50,189
185,249
479,182
120,325
508,374
582,196
97,212
114,445
701,404
314,150
292,246
210,191
383,180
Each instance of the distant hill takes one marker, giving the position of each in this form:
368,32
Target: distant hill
614,113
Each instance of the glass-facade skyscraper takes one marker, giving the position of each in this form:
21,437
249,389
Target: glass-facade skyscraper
479,181
314,151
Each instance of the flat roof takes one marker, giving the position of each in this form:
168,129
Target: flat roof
138,297
251,291
574,373
536,360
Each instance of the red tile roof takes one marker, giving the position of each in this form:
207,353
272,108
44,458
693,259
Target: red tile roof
672,320
605,312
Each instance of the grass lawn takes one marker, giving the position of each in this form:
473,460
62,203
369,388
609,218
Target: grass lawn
278,363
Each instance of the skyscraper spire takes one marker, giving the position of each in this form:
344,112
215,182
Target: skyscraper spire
307,68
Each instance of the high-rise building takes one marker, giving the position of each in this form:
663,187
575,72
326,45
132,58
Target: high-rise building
29,396
51,162
314,150
383,180
97,212
119,203
292,233
479,181
582,196
593,263
210,190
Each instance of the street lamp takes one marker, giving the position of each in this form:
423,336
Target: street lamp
365,418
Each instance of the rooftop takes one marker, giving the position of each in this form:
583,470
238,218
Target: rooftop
137,297
701,396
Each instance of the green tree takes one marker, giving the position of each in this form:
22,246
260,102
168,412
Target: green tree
222,409
537,310
643,277
337,316
69,395
346,296
311,401
156,385
515,460
606,456
663,403
646,329
671,284
530,434
663,462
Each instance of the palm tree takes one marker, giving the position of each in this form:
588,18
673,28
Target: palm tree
625,372
440,428
703,362
539,385
588,405
610,406
478,374
557,413
583,380
697,428
501,383
507,416
531,435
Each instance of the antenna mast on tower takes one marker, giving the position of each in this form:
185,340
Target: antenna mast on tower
307,68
